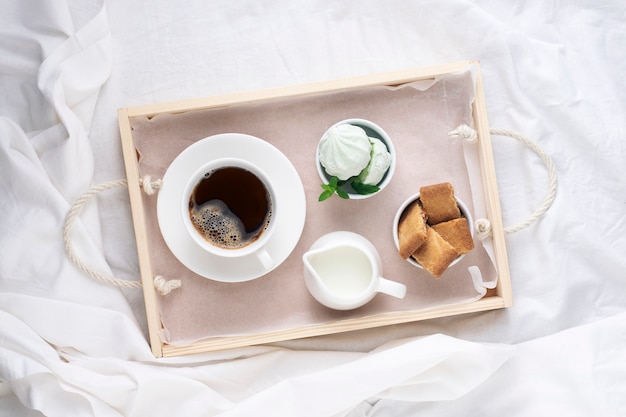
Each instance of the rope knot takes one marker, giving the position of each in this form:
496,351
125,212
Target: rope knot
164,286
465,132
150,186
483,228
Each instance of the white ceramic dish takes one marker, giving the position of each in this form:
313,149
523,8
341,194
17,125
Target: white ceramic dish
372,130
464,212
290,200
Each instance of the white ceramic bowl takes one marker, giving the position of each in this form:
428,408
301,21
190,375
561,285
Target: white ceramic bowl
464,212
374,131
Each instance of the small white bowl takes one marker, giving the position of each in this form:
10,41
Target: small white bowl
374,131
464,212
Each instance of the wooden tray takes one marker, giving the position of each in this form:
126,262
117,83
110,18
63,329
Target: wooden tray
499,297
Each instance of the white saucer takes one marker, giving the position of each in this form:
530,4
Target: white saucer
290,203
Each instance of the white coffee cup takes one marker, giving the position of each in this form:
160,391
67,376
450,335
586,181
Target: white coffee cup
223,201
342,270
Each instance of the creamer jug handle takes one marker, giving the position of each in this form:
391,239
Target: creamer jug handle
393,288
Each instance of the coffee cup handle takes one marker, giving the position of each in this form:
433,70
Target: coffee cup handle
265,258
393,288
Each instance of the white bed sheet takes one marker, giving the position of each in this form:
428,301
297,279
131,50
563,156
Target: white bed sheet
554,71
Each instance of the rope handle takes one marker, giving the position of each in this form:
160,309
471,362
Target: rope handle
162,285
483,226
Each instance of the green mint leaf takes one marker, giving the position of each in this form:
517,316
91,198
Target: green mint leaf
341,193
325,195
364,189
331,188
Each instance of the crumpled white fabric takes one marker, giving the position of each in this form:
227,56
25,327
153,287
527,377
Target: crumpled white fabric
72,346
301,383
577,372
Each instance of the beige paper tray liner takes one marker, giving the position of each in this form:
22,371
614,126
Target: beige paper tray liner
417,116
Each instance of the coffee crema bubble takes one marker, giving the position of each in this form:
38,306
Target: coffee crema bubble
219,225
230,207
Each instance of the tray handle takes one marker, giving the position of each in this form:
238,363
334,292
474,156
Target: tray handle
162,285
483,226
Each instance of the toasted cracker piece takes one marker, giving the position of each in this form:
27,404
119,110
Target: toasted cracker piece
439,203
457,233
411,230
435,254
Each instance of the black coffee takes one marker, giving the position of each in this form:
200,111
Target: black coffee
230,207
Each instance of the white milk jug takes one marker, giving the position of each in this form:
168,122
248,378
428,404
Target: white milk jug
343,271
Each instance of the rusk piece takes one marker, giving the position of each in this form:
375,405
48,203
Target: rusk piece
439,203
411,230
457,233
435,254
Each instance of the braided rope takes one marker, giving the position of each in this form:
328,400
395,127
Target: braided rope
483,226
74,212
162,285
552,185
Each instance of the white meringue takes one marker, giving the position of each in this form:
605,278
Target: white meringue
379,163
344,151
